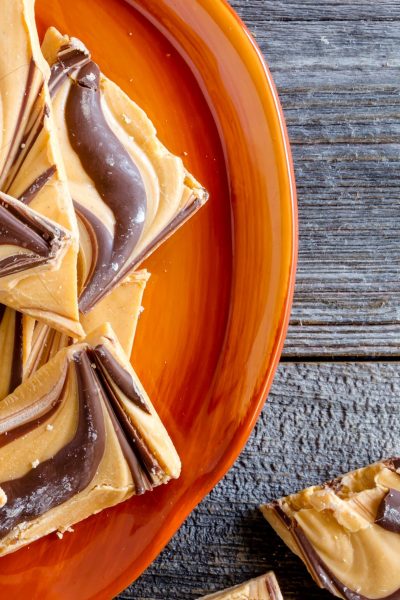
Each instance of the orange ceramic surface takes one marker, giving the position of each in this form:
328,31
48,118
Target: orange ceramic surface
217,304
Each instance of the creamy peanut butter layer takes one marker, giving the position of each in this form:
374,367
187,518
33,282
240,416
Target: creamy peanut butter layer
264,587
78,436
121,308
27,344
347,531
130,193
31,171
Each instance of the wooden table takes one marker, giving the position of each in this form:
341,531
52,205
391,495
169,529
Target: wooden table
335,402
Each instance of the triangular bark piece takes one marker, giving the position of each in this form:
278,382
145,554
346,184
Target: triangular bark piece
80,435
31,168
130,193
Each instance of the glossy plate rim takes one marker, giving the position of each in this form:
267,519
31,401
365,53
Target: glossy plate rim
252,56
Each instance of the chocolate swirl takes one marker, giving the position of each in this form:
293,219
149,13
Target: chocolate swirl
69,58
37,239
70,471
116,178
32,416
100,389
324,574
12,341
124,380
144,466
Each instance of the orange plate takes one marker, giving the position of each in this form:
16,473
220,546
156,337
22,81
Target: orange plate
217,305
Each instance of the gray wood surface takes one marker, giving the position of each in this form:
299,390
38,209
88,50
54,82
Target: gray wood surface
336,64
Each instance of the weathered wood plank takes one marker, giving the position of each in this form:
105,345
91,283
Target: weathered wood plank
254,11
338,84
321,420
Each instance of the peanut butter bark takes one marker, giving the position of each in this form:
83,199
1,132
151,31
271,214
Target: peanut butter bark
27,344
78,436
264,587
130,193
347,531
31,171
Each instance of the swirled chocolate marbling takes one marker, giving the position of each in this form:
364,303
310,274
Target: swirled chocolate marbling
116,178
129,191
30,169
59,478
72,442
27,239
347,531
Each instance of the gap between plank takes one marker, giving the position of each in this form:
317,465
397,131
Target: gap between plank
340,359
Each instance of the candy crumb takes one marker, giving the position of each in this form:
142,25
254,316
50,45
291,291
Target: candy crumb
35,463
126,118
59,535
49,427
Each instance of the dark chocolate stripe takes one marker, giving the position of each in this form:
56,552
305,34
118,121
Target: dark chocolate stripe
53,399
18,232
44,347
2,311
69,59
20,228
17,358
327,578
34,188
121,378
116,178
147,461
27,232
25,147
13,151
70,470
101,239
140,479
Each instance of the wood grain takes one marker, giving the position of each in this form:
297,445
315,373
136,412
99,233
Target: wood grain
338,84
336,64
321,420
323,10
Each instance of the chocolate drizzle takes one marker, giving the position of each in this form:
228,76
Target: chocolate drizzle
116,178
37,239
68,472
